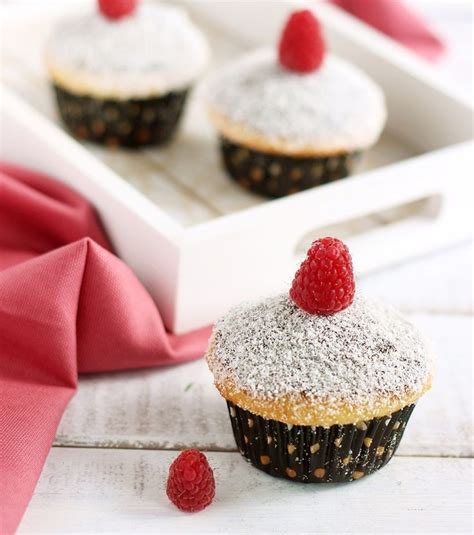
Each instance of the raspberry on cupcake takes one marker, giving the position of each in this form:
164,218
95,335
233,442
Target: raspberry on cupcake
116,9
296,117
319,383
121,74
324,283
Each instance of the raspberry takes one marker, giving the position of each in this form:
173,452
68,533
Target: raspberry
191,485
324,283
301,46
116,9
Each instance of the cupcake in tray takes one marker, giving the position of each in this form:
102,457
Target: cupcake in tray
319,384
295,118
121,74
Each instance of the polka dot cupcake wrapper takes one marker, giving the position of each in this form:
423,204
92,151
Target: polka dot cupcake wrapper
276,175
339,453
129,123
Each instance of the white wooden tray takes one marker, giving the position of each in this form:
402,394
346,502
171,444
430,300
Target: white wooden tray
198,242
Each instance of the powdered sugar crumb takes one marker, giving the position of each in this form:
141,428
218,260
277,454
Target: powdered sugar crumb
356,356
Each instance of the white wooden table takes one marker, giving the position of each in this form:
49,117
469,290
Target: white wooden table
107,471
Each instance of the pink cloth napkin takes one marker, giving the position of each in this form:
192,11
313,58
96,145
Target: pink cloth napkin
67,305
397,20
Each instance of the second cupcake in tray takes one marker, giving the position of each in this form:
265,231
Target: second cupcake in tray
121,74
296,118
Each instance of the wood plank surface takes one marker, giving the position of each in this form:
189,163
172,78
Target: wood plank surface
178,407
123,491
439,283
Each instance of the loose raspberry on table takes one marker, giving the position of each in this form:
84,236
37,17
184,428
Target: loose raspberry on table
116,9
191,485
302,45
324,283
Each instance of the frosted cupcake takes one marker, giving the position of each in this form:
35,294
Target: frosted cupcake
296,118
319,383
121,74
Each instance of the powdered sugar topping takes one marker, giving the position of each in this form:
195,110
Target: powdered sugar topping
335,107
154,50
358,355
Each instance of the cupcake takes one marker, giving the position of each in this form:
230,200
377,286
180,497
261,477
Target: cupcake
121,74
296,118
319,383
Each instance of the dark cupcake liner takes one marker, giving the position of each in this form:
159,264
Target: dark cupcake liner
127,123
339,453
275,175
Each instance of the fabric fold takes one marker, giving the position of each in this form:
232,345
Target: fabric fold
397,20
68,305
